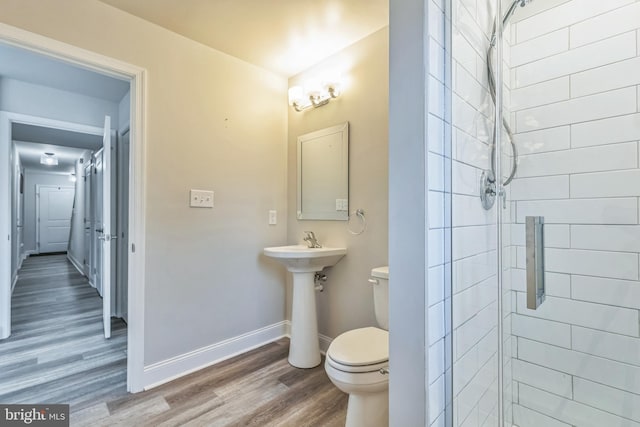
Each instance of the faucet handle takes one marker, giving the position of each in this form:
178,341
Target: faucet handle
310,235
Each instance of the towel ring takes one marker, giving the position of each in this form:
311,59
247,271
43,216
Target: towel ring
360,214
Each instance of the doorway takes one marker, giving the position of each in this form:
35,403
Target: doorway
135,251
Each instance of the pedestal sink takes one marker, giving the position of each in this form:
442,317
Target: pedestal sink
303,263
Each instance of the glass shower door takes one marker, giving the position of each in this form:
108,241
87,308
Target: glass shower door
570,83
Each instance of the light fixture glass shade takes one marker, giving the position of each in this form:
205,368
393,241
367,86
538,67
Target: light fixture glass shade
49,160
296,94
312,87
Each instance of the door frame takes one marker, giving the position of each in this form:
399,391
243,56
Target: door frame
38,222
137,187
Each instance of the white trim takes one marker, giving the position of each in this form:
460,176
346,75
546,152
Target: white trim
75,262
13,285
137,187
325,341
167,370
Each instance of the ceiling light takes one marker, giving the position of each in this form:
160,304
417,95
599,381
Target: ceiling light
313,94
49,159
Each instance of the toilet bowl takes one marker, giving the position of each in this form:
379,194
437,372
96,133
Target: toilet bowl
357,363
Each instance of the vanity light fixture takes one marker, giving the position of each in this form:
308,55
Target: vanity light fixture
313,94
49,159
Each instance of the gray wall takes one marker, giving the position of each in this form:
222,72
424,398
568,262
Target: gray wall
212,122
41,101
347,301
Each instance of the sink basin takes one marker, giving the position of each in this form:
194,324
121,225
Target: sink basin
303,263
300,258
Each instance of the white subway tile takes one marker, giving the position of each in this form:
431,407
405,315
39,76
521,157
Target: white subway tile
436,24
544,93
606,131
543,330
622,293
436,209
564,15
465,368
464,115
614,76
540,188
437,398
436,134
540,47
470,333
469,397
468,241
543,378
436,323
598,316
614,265
472,92
436,97
525,417
607,398
610,346
583,160
436,60
471,301
467,210
470,150
581,211
436,172
435,252
463,53
604,371
465,179
474,269
619,238
436,284
592,107
552,139
555,235
556,284
606,184
436,361
569,411
576,60
603,26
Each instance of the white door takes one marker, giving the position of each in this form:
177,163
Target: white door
106,236
55,205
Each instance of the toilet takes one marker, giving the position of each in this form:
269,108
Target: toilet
357,362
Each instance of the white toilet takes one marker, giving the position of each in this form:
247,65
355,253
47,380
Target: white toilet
357,362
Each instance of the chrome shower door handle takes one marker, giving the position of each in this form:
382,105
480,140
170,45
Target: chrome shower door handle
534,226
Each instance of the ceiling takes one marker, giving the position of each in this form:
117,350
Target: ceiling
31,67
30,153
284,36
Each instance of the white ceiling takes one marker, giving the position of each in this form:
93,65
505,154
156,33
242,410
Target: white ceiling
30,153
284,36
31,67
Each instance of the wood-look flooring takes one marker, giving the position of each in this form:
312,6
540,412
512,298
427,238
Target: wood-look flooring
56,354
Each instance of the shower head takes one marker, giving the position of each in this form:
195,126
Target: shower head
512,9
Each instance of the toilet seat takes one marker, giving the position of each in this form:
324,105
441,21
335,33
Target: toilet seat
360,350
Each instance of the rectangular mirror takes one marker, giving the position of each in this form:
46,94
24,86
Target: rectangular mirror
323,174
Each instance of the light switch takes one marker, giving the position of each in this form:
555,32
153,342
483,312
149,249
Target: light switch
273,217
342,205
201,199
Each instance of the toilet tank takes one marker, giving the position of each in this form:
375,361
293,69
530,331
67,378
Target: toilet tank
380,281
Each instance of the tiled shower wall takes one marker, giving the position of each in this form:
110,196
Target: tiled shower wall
462,235
575,101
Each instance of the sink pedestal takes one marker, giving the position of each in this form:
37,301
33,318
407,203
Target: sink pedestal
304,349
303,263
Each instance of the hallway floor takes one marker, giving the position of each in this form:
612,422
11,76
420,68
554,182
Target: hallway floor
56,354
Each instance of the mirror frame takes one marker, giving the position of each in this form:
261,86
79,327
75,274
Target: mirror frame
342,129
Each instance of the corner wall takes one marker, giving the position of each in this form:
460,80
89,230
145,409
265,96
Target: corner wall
347,301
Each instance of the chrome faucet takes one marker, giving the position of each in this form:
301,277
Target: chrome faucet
311,240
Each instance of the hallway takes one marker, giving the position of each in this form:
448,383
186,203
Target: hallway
57,352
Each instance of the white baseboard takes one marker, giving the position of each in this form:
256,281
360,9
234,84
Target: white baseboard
175,367
13,284
75,263
324,343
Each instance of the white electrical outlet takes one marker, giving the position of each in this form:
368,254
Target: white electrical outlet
201,199
342,205
273,217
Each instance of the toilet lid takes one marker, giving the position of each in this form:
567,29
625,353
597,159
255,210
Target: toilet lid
359,347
